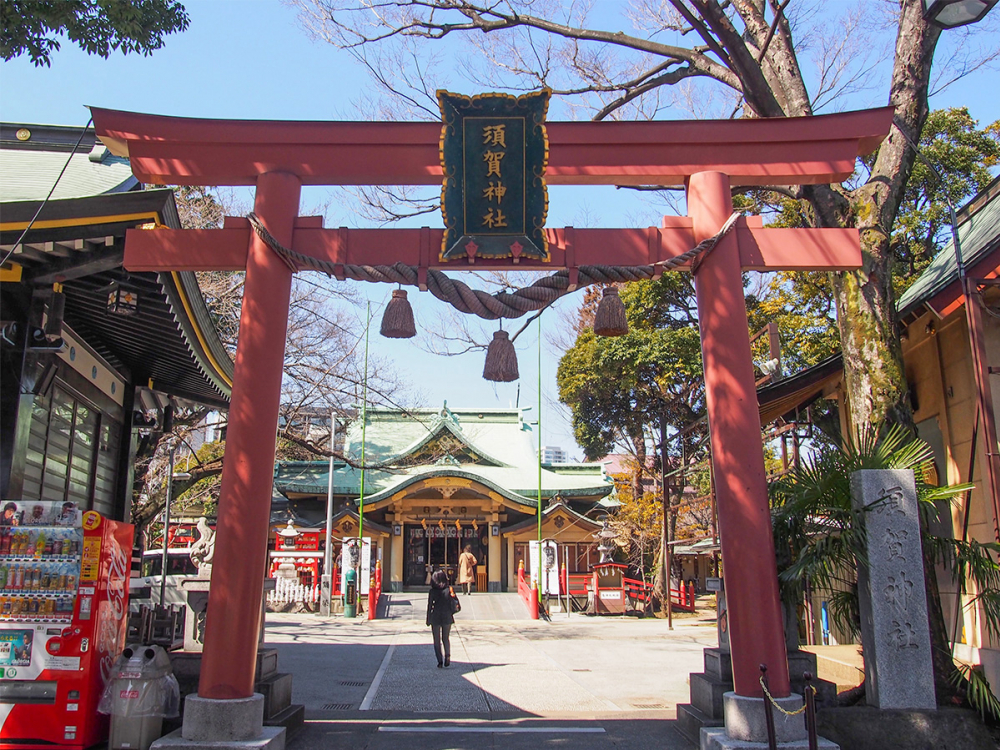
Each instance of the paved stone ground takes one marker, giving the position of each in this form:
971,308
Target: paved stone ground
413,605
574,682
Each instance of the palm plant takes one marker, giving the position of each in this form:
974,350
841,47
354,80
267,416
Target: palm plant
819,540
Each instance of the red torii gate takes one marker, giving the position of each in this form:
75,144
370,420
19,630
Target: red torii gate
708,157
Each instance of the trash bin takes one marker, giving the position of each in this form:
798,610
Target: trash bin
141,692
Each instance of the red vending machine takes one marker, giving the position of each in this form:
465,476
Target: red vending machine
63,610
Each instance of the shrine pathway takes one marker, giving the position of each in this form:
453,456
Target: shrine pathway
577,682
412,605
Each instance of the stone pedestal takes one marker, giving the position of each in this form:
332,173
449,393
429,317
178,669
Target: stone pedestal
891,593
223,724
274,687
196,608
868,728
746,726
708,690
196,603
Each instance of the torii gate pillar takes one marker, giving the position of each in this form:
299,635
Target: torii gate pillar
227,670
752,598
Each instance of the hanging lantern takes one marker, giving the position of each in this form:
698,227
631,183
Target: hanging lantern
57,308
122,301
423,522
397,321
610,319
501,359
458,524
475,525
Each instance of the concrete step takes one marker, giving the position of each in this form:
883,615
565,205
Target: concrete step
707,692
690,721
277,692
267,663
719,664
291,718
800,662
841,665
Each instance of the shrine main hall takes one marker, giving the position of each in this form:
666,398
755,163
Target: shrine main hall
443,479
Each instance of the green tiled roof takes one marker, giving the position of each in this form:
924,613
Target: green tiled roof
29,170
978,233
490,446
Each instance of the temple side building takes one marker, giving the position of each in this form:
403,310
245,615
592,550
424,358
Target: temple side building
441,479
90,353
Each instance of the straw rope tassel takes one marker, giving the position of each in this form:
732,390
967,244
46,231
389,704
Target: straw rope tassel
501,359
397,320
610,319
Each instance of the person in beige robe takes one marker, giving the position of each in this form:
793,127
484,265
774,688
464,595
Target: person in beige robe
467,569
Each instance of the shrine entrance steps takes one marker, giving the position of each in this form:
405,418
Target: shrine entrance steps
412,605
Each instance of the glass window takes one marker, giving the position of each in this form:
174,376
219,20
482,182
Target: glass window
62,462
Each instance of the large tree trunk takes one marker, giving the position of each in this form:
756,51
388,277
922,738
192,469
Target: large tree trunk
873,358
866,307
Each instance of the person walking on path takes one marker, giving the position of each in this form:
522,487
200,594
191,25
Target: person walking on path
439,616
467,569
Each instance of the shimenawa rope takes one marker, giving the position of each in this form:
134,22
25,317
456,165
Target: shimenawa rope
473,301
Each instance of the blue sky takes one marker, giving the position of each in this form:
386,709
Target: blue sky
249,59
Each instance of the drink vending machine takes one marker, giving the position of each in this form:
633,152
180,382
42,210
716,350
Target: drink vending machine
63,610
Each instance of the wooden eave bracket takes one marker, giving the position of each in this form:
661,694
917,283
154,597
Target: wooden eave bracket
424,258
653,244
571,267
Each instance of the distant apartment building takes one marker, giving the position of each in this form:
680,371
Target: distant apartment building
553,454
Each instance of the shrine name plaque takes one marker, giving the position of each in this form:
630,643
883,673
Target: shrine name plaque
494,150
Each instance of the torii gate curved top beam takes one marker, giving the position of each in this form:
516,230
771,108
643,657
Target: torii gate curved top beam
779,151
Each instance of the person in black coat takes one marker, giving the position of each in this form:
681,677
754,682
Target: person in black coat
439,616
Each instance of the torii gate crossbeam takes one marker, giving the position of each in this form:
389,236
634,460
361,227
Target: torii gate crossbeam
278,158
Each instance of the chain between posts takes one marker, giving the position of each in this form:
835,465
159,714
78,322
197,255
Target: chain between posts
767,694
474,301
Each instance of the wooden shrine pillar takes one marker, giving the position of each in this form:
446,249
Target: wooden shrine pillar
754,608
231,633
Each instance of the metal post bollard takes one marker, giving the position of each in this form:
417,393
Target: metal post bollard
772,741
810,696
351,594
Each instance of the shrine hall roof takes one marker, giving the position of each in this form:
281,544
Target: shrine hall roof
493,447
169,344
31,157
979,236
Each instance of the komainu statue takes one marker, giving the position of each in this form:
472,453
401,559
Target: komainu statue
203,550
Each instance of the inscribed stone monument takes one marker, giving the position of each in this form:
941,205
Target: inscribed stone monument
893,602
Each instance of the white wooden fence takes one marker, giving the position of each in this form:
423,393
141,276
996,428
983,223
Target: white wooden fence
289,590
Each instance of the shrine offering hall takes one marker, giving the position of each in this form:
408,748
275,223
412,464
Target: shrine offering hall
445,478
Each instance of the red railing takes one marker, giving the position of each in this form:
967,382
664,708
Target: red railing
580,584
577,584
375,591
637,590
527,592
683,597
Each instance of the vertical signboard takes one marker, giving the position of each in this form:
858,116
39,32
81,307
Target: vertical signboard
349,555
494,150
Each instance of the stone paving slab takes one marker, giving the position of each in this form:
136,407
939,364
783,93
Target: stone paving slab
427,733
